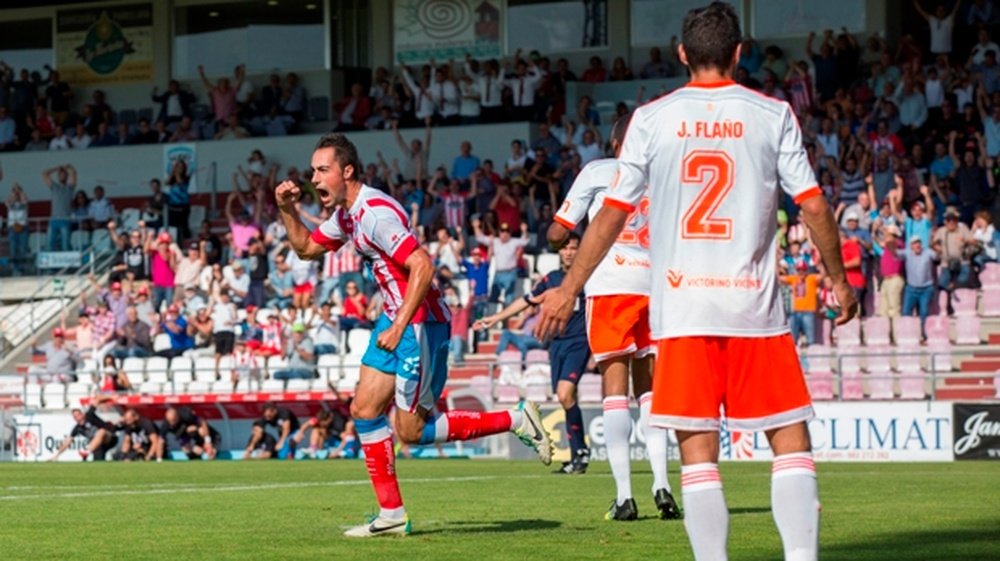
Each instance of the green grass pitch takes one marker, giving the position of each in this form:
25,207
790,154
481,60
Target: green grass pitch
471,510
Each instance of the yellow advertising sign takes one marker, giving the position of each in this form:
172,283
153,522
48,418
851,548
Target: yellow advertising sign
105,45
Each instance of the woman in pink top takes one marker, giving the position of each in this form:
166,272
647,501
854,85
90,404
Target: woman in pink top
162,266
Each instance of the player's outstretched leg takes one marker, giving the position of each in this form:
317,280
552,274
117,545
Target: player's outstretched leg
525,421
376,441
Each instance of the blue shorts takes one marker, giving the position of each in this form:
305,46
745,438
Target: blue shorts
568,360
420,362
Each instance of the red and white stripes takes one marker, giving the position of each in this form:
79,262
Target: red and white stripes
615,403
645,398
799,463
700,477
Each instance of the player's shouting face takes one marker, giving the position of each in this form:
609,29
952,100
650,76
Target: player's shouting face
329,177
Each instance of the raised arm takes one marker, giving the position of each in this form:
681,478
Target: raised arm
299,237
204,79
920,9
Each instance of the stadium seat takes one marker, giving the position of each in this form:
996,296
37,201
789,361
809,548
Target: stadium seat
481,384
150,388
198,386
878,359
911,383
79,240
537,364
88,367
536,392
509,367
849,359
967,330
37,241
906,330
204,368
135,368
276,363
880,385
299,385
157,368
55,397
507,393
991,302
849,334
990,276
181,371
937,329
357,340
876,331
547,262
940,356
328,367
272,385
820,385
851,386
347,384
908,357
33,396
161,342
350,372
963,302
76,391
817,358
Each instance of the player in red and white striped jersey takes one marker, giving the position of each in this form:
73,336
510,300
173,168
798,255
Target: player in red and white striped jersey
406,360
714,156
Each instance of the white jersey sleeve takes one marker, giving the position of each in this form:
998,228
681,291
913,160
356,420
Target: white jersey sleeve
625,269
330,234
795,175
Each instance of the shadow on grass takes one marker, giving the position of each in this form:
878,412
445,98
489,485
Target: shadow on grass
750,510
957,544
498,527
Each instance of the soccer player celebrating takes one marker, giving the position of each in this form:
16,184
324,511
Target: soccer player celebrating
714,155
568,355
406,360
618,329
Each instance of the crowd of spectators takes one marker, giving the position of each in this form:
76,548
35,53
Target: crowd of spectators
904,142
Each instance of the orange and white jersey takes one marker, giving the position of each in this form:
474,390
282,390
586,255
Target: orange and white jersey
625,269
713,157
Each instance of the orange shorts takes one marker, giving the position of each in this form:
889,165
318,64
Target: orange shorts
618,325
756,381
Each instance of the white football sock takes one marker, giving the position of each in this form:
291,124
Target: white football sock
795,505
656,444
617,431
706,517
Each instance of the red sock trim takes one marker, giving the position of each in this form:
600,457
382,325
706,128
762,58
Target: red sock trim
380,458
467,425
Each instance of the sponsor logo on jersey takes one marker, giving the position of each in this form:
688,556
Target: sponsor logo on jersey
675,278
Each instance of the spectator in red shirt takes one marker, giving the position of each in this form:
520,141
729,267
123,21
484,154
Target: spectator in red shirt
507,208
596,73
850,252
355,304
353,111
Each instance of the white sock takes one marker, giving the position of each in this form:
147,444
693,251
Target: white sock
795,505
617,431
515,418
656,444
706,517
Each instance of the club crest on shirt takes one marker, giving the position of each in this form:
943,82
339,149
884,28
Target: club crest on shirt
675,278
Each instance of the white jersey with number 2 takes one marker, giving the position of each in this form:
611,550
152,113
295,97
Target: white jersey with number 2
714,156
625,269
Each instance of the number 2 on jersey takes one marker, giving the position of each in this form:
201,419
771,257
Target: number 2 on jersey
712,170
631,234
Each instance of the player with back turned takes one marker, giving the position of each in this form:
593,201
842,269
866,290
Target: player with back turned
714,155
406,360
617,324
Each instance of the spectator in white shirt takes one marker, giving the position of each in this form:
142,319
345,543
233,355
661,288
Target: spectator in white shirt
490,87
522,85
941,23
469,108
101,210
424,105
81,140
445,95
59,140
505,250
980,49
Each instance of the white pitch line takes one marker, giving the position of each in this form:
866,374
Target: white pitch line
262,487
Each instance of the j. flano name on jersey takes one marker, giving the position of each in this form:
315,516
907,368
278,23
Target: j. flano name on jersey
711,129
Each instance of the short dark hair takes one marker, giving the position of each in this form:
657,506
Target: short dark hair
573,235
620,127
710,36
344,152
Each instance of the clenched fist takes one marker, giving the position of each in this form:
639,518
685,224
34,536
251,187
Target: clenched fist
287,193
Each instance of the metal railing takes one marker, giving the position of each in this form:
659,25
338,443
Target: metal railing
66,283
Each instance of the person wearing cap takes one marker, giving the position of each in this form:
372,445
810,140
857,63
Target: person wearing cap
162,267
175,325
950,242
237,283
505,251
805,302
60,360
891,269
144,306
919,264
301,356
